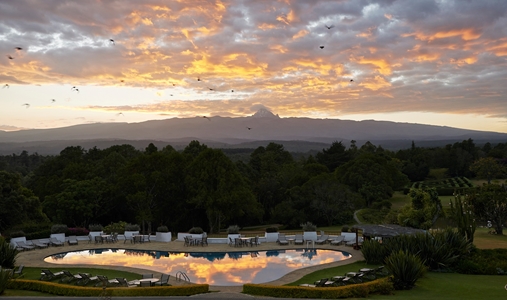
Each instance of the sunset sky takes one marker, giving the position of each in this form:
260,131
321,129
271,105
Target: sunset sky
419,61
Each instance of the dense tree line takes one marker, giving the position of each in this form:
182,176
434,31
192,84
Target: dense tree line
200,186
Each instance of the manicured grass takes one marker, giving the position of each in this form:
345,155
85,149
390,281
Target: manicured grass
34,273
484,240
331,272
399,200
438,173
454,286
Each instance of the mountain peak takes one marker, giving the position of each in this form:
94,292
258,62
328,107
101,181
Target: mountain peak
264,113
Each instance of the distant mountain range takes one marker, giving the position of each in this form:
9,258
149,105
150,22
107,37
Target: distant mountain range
297,134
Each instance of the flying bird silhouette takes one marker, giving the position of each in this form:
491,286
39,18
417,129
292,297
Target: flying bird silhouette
122,80
352,80
321,47
232,91
198,78
329,27
120,114
249,128
26,104
112,41
5,86
72,88
18,48
211,89
206,118
53,100
10,57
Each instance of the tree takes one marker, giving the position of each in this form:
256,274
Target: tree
490,204
424,210
462,213
487,167
334,156
216,186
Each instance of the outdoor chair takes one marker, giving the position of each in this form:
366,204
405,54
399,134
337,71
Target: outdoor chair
231,242
204,241
123,282
146,238
55,242
238,242
86,278
368,274
282,240
338,240
19,272
298,239
147,276
144,283
319,283
23,245
128,238
164,280
39,244
47,275
72,240
104,281
322,239
138,239
69,277
189,241
99,239
335,281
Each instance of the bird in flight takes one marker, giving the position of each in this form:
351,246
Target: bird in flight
249,128
18,48
111,41
174,84
232,91
120,114
352,80
10,57
211,89
321,47
53,100
122,80
6,86
329,27
26,104
206,118
75,89
198,78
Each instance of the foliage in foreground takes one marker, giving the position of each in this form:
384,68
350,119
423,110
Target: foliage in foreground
406,268
5,276
7,254
484,262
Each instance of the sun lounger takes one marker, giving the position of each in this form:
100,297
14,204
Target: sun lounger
69,277
322,239
338,240
55,242
123,282
164,280
282,240
86,278
48,275
298,239
23,245
39,244
104,281
72,240
19,272
319,283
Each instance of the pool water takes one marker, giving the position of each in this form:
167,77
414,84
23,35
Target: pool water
213,268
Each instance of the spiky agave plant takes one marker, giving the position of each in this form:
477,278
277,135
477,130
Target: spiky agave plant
406,268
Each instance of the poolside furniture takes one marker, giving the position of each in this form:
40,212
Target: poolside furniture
298,240
19,272
337,241
72,240
138,239
55,242
128,238
335,281
231,242
47,275
123,282
189,241
322,239
254,241
353,242
104,281
69,277
39,244
147,276
319,283
99,239
204,241
144,283
23,245
86,278
164,280
282,240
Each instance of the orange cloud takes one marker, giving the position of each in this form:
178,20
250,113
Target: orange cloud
300,34
383,67
378,83
465,34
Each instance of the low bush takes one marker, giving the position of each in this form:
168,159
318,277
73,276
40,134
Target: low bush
79,231
406,268
380,286
59,228
196,230
5,276
16,234
41,234
162,229
373,252
233,229
79,291
118,227
7,254
345,228
484,262
309,226
132,227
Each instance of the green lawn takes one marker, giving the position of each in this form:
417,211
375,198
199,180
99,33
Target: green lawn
34,273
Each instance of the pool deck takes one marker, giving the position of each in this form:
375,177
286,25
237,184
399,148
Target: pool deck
35,258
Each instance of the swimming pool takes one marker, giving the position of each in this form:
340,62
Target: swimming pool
213,268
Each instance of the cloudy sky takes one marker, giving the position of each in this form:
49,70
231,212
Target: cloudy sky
419,61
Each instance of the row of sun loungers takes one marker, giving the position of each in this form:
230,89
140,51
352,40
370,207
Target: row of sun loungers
365,274
38,244
322,239
100,280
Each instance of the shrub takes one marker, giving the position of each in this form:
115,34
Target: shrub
7,254
196,230
272,229
59,228
79,231
162,229
18,233
233,229
308,226
132,227
483,262
373,252
118,227
5,276
95,227
345,228
406,268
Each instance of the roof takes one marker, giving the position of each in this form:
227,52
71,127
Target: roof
387,230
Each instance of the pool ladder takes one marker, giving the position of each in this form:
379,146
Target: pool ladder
182,276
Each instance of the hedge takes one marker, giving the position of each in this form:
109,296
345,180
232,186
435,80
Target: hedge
81,291
382,286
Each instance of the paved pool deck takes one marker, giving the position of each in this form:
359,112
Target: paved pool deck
35,258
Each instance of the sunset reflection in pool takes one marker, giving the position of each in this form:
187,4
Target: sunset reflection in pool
213,268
